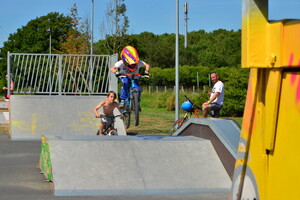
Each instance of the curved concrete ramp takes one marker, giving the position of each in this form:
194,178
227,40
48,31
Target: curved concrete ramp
35,115
133,165
224,135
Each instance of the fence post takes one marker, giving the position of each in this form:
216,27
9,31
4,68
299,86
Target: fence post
113,83
91,74
59,75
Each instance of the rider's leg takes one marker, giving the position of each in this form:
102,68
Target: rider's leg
101,128
124,90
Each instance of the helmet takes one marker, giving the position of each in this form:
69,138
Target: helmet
187,106
130,57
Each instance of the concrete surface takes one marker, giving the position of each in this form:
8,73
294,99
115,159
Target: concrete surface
35,115
20,178
224,135
135,165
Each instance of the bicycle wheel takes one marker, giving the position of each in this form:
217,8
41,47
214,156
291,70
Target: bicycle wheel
113,132
135,108
126,120
177,125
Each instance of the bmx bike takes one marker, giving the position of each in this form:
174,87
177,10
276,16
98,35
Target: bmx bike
132,103
194,110
109,128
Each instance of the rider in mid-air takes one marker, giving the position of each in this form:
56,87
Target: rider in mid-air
129,64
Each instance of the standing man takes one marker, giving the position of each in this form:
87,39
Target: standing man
216,99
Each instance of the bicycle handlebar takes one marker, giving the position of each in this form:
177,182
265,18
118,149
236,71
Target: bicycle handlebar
134,75
108,116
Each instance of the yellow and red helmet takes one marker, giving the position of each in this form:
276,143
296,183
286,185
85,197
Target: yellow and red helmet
130,57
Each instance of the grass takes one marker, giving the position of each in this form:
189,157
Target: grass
152,121
156,120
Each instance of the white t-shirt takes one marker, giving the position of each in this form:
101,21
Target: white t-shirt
218,87
123,69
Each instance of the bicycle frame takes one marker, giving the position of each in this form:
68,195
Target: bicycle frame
128,102
177,124
109,129
132,102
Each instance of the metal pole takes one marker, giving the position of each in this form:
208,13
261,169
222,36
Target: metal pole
50,42
92,41
92,27
8,74
177,64
60,75
49,30
186,24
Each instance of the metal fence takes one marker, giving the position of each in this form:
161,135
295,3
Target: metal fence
61,74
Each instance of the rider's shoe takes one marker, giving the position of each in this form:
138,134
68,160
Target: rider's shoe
122,103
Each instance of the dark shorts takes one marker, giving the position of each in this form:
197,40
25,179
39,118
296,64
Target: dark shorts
107,119
215,109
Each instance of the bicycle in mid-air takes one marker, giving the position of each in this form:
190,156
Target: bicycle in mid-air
132,103
109,129
191,109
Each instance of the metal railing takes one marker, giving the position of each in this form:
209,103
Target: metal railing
61,74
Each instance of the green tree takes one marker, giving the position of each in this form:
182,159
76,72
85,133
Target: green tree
115,28
35,37
77,39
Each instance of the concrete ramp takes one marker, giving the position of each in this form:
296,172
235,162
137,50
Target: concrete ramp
35,115
124,165
224,135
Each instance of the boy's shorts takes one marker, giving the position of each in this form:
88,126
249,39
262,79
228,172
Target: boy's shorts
107,119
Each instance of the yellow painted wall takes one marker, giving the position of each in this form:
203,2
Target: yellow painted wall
268,163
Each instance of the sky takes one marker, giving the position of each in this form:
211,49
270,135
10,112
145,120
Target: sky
156,16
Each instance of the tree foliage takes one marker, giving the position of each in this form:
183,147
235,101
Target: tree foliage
77,39
35,36
220,48
115,27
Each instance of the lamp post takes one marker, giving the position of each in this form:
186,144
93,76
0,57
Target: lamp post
177,64
49,31
92,27
186,24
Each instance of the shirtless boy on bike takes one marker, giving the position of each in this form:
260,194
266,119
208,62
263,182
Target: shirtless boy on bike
108,107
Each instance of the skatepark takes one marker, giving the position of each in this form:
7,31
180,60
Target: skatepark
76,164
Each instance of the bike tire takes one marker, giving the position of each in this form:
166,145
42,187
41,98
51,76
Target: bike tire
177,125
113,133
126,120
135,108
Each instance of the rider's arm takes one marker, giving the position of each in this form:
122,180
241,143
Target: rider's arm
113,69
147,67
96,109
117,106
